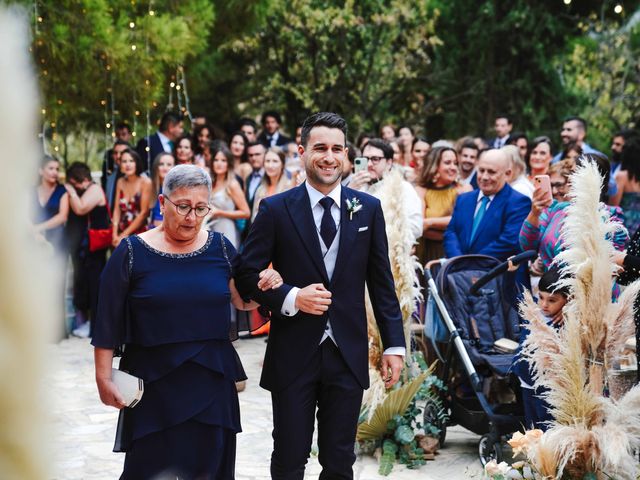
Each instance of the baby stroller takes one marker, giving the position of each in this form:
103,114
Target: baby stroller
471,305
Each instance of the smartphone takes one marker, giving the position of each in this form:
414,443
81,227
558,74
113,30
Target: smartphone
360,164
543,183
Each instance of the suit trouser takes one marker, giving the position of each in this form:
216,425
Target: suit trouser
329,384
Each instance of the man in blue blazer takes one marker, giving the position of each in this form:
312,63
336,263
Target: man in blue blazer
326,241
488,221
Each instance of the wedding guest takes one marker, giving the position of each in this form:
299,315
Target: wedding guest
271,136
227,199
164,140
202,137
540,157
388,133
419,151
238,147
405,140
249,128
164,295
541,230
521,141
86,198
184,151
52,205
628,183
133,193
551,302
438,188
275,179
518,180
159,169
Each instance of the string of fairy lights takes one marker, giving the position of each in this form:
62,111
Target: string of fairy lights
111,115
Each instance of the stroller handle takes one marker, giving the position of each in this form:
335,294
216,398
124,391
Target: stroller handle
511,263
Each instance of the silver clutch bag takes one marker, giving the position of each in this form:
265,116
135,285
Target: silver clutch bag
131,388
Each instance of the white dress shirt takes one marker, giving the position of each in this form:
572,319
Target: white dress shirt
166,143
254,182
479,202
329,256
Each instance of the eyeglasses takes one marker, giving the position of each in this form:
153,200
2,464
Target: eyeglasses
374,160
184,209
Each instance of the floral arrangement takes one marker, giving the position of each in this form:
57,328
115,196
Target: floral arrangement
593,435
396,431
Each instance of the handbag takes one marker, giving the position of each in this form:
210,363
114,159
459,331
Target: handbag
100,238
131,388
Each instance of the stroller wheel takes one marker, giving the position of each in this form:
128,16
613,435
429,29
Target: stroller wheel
434,416
489,449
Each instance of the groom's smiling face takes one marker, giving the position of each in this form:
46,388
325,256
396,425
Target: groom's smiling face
324,157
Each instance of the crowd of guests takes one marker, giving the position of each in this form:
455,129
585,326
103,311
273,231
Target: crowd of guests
461,196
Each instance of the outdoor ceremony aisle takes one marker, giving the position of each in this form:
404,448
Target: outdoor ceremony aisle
82,430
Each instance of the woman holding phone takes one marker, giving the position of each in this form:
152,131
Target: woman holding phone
541,230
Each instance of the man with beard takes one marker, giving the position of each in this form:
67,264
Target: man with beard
326,241
573,134
468,159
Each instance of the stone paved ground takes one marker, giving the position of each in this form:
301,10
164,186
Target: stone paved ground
83,428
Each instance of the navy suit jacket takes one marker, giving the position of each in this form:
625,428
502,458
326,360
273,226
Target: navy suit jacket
155,147
499,230
284,233
281,142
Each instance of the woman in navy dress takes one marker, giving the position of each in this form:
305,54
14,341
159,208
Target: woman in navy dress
165,296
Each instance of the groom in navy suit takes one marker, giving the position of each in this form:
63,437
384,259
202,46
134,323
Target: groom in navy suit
488,221
326,241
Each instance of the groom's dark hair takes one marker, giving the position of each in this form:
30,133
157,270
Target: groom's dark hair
322,119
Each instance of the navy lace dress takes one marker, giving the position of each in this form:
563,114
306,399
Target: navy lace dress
171,313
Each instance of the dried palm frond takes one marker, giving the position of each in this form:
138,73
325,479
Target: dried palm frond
395,403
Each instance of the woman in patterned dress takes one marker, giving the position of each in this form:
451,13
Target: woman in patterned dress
133,194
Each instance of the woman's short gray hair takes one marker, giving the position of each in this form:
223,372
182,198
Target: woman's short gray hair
185,176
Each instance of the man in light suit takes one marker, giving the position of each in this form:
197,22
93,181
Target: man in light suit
488,221
169,131
326,241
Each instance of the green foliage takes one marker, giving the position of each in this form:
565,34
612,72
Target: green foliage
366,60
497,57
97,53
399,441
388,458
603,71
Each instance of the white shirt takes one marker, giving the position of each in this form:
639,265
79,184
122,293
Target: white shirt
479,201
254,182
273,139
166,143
500,142
329,256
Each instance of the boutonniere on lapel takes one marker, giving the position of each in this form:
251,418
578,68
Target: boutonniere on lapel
353,206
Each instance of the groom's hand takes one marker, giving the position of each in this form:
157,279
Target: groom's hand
391,368
313,299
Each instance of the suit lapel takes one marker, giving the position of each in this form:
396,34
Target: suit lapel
348,233
299,207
